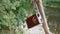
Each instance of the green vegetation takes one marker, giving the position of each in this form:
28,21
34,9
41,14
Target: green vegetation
13,13
52,10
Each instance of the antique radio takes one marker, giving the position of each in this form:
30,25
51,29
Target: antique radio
34,20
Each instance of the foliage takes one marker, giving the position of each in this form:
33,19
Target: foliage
13,13
53,3
52,7
52,10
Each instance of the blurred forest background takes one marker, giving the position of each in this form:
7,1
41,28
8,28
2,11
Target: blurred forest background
13,14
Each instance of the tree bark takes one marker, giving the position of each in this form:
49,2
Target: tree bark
41,10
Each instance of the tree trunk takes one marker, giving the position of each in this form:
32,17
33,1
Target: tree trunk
40,8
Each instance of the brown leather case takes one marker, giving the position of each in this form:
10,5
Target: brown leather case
32,21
